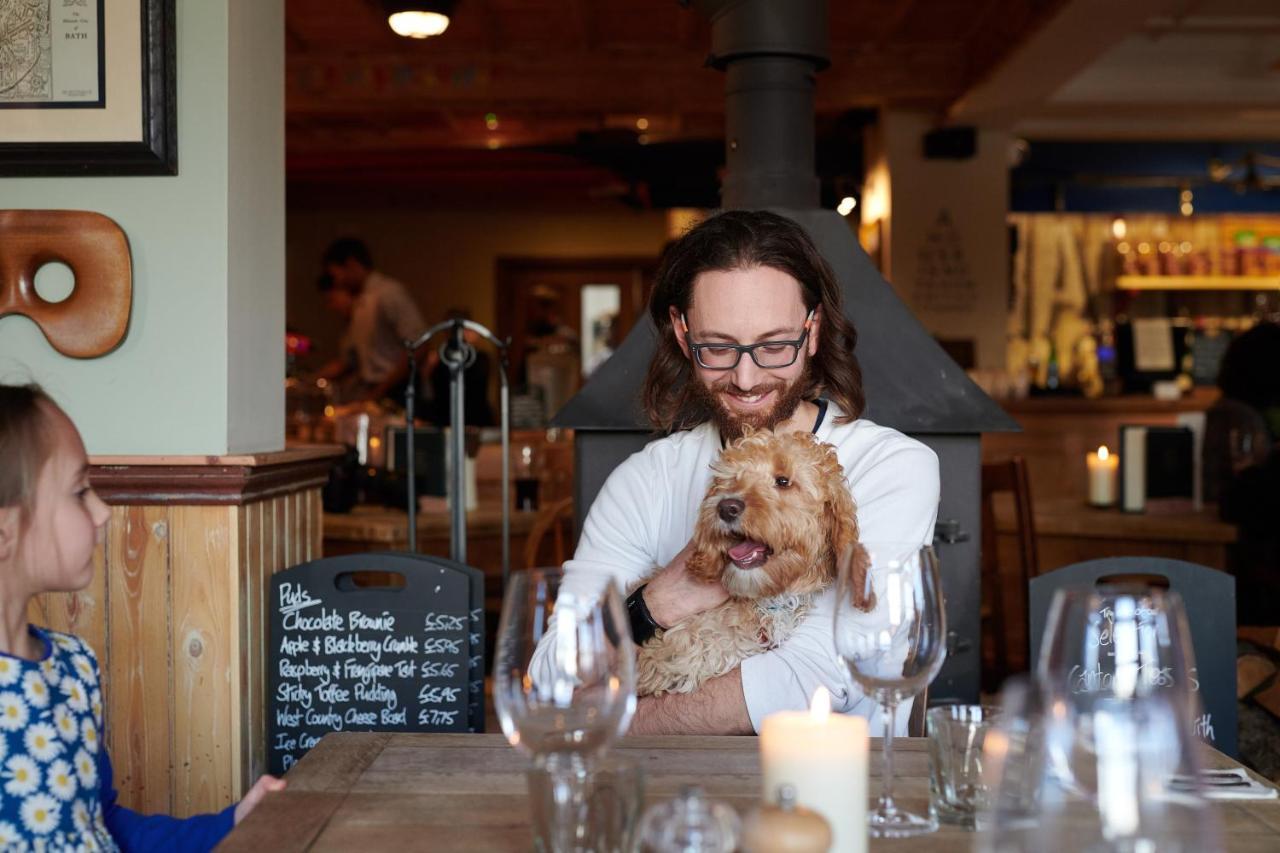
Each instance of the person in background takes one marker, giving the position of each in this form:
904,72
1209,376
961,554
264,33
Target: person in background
381,316
1241,459
56,776
475,379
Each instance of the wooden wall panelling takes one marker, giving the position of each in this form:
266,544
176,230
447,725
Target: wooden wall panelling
137,684
205,648
177,614
250,522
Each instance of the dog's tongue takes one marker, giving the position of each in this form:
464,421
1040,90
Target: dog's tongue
747,551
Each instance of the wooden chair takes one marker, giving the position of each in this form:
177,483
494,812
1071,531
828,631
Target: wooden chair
1209,597
555,518
1004,603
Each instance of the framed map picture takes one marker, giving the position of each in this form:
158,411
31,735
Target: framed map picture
88,87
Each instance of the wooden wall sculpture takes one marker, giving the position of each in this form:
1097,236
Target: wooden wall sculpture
93,319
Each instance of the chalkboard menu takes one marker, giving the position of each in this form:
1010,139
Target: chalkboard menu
373,642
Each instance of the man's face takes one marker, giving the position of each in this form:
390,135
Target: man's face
748,306
348,275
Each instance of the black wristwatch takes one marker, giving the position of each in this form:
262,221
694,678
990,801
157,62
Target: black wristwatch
643,625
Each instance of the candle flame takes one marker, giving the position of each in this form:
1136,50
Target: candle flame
820,707
1103,453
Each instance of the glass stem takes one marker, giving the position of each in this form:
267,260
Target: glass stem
887,806
568,791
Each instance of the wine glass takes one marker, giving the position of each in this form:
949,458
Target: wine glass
1122,762
893,650
564,684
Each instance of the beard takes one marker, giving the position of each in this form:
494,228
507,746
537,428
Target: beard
732,423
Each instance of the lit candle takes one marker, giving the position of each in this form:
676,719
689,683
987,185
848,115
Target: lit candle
1103,466
823,756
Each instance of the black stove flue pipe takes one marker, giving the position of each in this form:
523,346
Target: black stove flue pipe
769,52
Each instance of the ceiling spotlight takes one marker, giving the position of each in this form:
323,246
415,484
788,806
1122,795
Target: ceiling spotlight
642,124
846,205
418,19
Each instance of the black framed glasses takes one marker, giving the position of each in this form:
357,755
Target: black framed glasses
769,355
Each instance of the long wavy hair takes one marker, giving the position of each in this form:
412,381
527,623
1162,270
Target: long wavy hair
743,239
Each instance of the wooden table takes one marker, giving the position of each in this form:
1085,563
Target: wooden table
371,792
1070,531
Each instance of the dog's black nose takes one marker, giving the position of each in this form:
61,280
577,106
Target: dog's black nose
730,508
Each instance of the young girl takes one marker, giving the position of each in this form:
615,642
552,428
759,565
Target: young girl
55,778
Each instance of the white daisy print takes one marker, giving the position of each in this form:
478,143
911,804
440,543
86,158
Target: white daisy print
89,734
80,817
42,742
40,814
61,780
66,642
9,671
8,835
86,770
84,669
65,722
49,669
22,776
36,689
95,703
4,752
77,699
13,712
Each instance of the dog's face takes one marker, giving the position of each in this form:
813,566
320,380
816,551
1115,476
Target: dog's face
777,518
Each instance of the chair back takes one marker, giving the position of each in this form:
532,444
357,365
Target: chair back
372,642
1004,602
554,519
1209,596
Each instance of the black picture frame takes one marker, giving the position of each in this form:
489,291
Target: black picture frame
155,152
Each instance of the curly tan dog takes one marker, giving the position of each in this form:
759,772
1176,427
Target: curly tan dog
776,524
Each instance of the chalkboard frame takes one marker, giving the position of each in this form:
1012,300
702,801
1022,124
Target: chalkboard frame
316,584
1209,597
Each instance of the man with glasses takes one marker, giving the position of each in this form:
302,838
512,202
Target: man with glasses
750,333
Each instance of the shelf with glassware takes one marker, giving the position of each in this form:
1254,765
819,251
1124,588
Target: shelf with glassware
1198,282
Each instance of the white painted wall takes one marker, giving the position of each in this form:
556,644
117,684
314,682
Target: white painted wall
201,370
975,194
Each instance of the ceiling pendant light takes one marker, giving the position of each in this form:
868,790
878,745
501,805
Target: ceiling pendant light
418,19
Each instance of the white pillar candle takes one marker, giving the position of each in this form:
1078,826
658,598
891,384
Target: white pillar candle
824,757
1103,466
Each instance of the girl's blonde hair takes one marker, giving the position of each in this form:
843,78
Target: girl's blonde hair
24,444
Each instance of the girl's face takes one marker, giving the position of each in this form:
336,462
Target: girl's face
56,549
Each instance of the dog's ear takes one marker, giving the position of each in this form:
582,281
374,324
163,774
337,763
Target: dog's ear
855,564
842,520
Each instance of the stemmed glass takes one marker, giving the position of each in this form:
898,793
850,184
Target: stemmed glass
1115,670
893,650
564,684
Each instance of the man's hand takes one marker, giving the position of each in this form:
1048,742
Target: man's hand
672,596
256,793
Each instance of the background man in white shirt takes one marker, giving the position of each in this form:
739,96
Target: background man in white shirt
739,279
382,316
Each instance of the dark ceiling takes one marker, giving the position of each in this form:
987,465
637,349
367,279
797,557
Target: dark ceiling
546,99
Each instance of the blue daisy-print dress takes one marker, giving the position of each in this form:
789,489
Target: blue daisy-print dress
50,744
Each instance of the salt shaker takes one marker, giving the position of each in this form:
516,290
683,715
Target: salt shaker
690,823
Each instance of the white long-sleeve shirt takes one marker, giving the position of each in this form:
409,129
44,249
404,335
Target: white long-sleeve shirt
645,514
